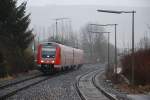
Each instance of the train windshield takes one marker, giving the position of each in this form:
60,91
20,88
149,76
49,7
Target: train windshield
48,52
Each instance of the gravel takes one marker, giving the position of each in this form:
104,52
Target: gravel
109,87
19,78
59,87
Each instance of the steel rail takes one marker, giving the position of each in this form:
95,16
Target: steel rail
13,92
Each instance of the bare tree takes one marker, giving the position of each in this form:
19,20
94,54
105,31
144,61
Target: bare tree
95,45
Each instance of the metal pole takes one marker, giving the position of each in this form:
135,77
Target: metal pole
56,29
70,30
62,33
108,44
132,59
44,34
53,27
34,46
115,48
133,47
90,34
38,40
57,23
115,60
108,51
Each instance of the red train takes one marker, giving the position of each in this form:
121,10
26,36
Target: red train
52,56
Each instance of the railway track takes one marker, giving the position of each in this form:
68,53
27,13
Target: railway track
110,96
86,87
10,83
11,89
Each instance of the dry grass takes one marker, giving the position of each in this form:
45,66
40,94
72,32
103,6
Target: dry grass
134,89
7,78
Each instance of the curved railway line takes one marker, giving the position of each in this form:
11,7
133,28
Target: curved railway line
88,89
110,96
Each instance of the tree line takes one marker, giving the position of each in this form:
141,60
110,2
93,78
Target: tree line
16,40
95,46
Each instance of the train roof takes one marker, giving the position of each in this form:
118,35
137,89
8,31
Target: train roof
54,43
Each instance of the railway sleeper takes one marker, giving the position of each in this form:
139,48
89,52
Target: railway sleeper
47,68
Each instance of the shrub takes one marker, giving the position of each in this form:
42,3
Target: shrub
141,66
17,62
3,70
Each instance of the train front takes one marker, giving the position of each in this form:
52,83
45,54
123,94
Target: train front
46,57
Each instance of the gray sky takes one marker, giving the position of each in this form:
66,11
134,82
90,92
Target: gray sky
83,11
89,2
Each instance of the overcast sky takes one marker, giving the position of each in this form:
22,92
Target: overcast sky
89,2
82,12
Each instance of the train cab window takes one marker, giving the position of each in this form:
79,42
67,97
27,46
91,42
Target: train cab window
48,52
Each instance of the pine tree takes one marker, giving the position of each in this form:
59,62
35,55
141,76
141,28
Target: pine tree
15,35
14,23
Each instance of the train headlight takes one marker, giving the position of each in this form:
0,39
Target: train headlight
42,61
53,62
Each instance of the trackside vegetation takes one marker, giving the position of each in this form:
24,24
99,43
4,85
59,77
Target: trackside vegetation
141,64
